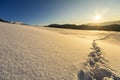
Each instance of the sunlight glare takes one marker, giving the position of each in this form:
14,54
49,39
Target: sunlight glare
97,18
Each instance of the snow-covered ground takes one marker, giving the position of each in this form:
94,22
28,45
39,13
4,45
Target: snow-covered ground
30,53
107,41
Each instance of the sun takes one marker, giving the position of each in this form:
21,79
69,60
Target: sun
97,18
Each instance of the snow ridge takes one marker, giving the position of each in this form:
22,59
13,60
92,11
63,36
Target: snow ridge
95,67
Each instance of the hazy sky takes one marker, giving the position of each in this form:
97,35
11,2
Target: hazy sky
59,11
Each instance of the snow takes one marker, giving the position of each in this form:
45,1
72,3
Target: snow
31,53
107,44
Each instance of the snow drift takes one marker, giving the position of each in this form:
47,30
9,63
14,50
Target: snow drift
102,63
29,53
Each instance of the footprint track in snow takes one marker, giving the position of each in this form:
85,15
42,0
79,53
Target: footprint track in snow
95,67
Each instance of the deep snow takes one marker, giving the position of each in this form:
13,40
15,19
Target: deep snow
30,53
103,59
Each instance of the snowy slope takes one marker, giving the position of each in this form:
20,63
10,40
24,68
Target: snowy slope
28,53
103,59
111,48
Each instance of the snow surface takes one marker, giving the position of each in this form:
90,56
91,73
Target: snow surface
30,53
105,48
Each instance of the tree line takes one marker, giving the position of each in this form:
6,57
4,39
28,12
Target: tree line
113,27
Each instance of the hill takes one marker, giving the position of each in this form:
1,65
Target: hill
1,20
30,53
111,27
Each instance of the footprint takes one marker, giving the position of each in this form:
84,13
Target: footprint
95,67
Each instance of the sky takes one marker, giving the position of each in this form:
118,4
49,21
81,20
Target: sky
43,12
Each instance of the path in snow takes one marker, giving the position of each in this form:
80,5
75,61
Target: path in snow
28,53
95,67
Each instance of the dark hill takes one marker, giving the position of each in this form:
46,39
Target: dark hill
112,27
1,20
